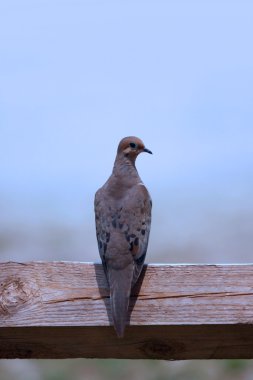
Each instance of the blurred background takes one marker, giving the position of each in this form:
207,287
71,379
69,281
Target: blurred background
77,76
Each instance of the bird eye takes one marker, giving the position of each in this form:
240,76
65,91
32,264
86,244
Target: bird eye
133,145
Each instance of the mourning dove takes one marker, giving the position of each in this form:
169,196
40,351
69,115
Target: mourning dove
123,217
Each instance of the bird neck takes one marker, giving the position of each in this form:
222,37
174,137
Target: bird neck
124,166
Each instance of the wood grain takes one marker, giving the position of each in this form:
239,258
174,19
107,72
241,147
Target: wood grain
62,310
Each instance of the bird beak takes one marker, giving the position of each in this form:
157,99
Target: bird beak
147,151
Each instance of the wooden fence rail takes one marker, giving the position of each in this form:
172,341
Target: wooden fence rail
62,310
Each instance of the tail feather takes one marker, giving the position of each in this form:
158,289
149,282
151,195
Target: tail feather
119,304
120,288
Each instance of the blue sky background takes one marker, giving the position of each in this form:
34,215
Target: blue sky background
77,76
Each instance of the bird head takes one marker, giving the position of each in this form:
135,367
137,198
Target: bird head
132,146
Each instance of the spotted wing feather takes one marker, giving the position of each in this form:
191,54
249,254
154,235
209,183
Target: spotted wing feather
134,220
102,227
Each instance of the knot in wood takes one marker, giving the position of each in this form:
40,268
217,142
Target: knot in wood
158,349
14,293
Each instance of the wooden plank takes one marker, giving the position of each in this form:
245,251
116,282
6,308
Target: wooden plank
62,310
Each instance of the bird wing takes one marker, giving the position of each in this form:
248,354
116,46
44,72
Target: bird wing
139,222
131,219
102,226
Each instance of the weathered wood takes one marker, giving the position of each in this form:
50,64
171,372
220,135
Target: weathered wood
62,310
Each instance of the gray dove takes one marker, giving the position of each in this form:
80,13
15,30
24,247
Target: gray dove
123,218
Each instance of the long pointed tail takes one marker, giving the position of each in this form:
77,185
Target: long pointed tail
120,288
